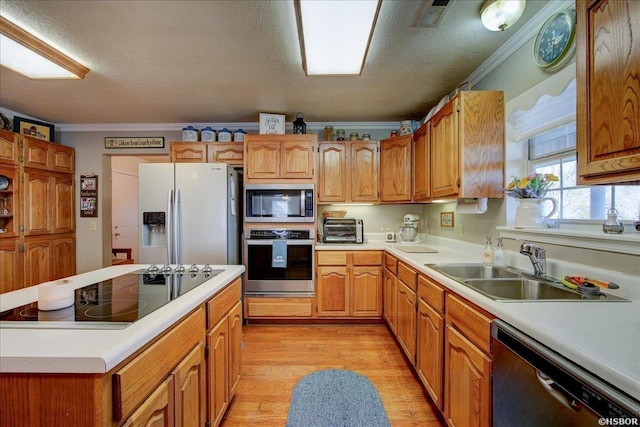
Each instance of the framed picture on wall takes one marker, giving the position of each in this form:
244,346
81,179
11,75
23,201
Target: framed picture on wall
446,219
34,128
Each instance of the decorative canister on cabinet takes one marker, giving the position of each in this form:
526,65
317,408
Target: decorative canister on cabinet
190,134
208,134
224,135
366,137
238,135
353,136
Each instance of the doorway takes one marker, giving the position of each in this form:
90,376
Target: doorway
124,201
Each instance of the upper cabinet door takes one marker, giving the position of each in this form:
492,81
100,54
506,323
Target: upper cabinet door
445,176
395,169
37,153
9,146
421,163
332,182
63,158
608,91
297,160
363,168
187,152
263,160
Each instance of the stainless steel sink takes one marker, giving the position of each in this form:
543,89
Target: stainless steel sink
511,284
474,271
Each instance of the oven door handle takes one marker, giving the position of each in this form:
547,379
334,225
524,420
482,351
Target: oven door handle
290,242
556,392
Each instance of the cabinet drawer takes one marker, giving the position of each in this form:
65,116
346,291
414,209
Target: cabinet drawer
431,293
279,307
472,323
367,257
138,378
408,275
222,302
331,257
391,263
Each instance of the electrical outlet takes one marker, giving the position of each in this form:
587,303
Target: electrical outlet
461,230
93,225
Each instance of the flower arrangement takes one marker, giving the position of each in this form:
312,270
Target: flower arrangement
533,186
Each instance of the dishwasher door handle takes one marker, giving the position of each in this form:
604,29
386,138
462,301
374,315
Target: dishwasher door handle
556,392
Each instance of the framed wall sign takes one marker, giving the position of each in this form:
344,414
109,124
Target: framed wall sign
272,124
33,128
89,196
446,219
134,142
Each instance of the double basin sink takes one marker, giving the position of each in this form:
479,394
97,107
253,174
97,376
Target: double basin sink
511,284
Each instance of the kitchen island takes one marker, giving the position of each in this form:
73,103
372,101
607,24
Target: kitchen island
152,367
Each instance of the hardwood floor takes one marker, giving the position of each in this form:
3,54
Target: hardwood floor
275,357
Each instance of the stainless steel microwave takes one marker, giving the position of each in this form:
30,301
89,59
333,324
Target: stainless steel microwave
279,203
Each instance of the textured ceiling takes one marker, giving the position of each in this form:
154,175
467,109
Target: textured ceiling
227,61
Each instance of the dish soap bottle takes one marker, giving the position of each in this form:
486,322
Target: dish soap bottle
500,255
487,252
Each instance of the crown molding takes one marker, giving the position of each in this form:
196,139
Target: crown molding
246,126
526,33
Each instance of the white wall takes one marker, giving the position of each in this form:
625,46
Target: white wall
93,247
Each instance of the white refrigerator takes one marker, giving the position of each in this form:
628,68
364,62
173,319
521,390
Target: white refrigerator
188,213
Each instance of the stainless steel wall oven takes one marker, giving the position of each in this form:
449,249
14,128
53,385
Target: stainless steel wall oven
279,262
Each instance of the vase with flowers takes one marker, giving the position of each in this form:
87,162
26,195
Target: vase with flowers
530,193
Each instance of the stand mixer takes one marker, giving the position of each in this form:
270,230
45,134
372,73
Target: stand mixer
409,228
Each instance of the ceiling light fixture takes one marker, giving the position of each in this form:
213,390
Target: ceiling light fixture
30,56
498,15
330,50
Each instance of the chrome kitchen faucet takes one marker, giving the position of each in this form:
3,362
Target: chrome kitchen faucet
538,257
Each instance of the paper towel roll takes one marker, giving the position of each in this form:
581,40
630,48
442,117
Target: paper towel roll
476,206
56,295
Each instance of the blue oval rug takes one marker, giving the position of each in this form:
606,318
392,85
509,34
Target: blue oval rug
336,398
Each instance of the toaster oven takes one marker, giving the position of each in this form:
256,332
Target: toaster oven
342,230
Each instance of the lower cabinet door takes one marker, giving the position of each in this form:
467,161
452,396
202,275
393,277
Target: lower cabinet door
218,362
467,383
157,410
366,291
430,352
235,348
190,382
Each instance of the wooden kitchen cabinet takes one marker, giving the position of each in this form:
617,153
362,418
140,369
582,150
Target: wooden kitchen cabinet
467,146
468,364
406,310
224,340
38,154
421,163
430,338
190,389
188,152
11,265
280,308
9,147
395,169
41,202
63,159
270,158
608,91
157,410
226,152
49,203
10,222
348,172
349,284
390,291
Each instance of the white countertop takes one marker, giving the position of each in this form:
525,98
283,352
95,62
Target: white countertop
94,350
602,337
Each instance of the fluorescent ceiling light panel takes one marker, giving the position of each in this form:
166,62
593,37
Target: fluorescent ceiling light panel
332,49
30,56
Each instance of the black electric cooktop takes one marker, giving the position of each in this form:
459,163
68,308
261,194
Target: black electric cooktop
112,303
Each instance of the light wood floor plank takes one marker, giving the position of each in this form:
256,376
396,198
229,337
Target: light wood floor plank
276,357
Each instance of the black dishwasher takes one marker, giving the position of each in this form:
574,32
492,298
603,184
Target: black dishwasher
535,386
